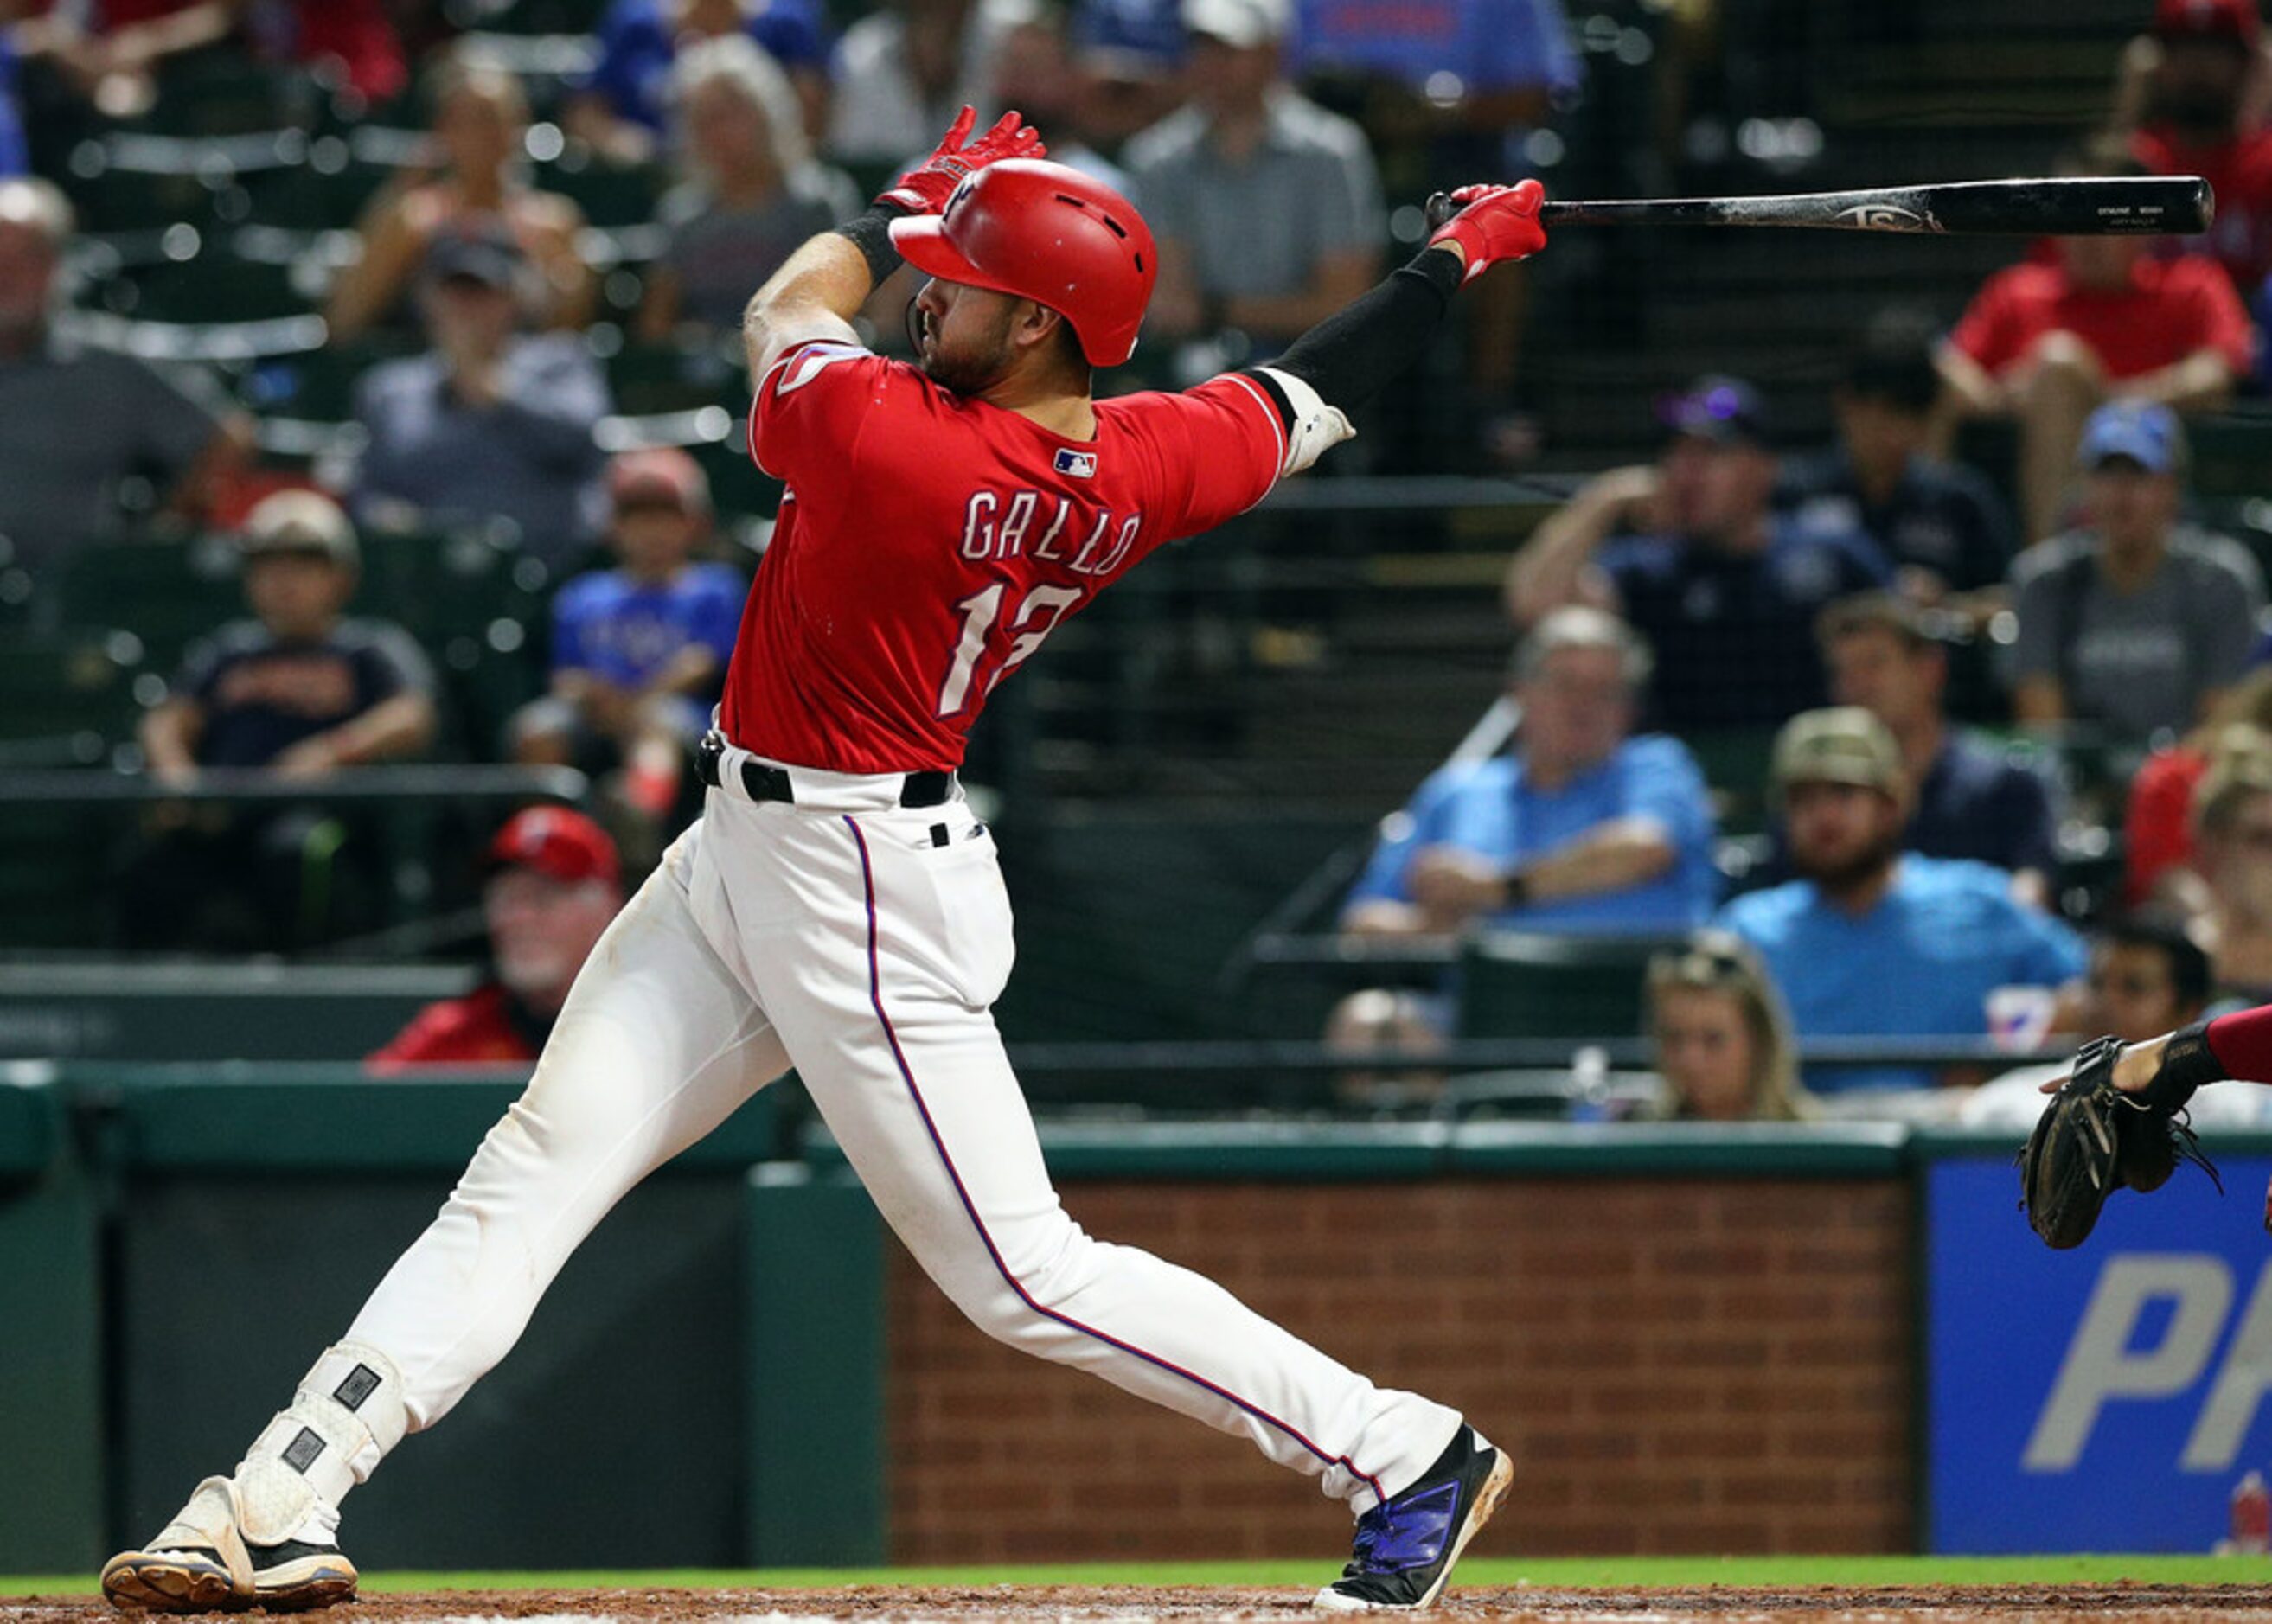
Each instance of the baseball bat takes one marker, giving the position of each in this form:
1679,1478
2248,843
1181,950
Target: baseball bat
2076,207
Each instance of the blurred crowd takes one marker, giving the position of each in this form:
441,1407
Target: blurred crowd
1855,597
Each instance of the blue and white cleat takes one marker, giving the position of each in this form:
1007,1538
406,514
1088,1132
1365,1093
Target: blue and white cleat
1405,1546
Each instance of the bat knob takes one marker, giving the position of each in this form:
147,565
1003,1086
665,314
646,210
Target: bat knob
1440,212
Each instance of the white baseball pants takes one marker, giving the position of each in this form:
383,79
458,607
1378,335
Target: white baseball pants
843,936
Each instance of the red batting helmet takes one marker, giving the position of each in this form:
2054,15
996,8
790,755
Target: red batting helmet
1040,231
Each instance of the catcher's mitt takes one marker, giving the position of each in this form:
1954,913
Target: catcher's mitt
2092,1140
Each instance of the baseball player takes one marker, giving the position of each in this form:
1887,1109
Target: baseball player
838,908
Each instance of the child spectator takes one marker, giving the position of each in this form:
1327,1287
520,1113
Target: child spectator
298,691
639,651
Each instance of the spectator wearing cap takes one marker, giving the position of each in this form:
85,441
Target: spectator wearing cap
903,70
752,191
2191,92
1691,551
1871,941
489,424
639,651
1582,826
1972,799
623,106
1267,207
77,423
481,128
299,691
1128,61
2135,622
553,885
2045,342
1939,524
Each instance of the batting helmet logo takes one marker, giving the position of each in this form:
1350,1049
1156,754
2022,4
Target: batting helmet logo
1041,231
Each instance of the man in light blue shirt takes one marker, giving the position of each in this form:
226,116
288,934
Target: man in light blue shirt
1873,941
1582,828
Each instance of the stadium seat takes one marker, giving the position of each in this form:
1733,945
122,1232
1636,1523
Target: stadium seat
1535,984
66,695
167,595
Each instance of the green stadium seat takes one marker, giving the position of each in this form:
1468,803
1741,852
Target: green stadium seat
167,595
1734,762
65,695
1535,985
216,286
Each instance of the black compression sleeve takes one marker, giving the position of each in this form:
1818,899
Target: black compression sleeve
1348,355
871,235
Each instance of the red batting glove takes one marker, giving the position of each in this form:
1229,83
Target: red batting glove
925,189
1495,224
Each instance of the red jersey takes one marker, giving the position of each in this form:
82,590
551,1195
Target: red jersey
927,544
2171,309
481,1029
2240,170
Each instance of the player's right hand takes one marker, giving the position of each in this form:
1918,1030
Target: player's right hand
925,189
1495,224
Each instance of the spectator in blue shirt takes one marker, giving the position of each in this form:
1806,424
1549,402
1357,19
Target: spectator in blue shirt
1582,827
639,651
1690,551
622,107
1873,941
15,156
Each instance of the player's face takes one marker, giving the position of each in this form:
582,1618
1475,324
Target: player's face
1704,1051
1840,834
27,275
964,335
2131,994
1577,708
1876,670
296,594
2131,506
542,930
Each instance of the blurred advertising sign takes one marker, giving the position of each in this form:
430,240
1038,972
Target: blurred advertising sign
2109,1398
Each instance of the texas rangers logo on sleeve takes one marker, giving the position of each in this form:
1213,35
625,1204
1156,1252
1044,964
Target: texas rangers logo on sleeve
1080,465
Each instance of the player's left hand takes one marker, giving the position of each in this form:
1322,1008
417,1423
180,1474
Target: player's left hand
925,189
1495,224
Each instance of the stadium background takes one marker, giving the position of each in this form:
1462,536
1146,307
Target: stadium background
1700,1341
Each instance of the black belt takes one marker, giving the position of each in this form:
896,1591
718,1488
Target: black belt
761,782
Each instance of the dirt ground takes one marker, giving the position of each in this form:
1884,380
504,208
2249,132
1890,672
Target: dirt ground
2119,1604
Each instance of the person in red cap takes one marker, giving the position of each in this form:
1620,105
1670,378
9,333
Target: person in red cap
638,652
2191,92
840,908
554,886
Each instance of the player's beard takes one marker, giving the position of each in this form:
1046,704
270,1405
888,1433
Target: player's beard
971,368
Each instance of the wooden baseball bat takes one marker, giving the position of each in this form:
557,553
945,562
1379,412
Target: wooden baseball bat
2076,207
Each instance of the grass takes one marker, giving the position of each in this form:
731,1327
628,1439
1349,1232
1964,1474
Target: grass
1633,1572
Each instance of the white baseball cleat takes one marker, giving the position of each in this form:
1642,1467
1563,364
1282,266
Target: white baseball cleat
201,1562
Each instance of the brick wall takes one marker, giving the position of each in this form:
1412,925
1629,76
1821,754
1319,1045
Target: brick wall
1677,1365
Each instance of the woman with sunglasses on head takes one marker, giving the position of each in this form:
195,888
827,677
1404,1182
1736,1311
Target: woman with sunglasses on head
1722,1039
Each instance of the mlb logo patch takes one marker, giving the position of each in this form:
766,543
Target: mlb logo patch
1080,465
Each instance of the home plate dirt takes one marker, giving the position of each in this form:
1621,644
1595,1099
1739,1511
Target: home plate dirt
2115,1604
